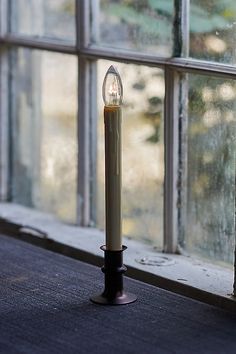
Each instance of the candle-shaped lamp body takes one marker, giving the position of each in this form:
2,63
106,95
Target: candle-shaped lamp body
112,93
112,120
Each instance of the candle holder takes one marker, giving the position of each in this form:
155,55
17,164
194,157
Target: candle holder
114,269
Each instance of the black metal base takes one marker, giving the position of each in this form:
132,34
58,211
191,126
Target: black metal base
114,269
125,298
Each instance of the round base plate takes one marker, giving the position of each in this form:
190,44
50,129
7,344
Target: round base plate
124,299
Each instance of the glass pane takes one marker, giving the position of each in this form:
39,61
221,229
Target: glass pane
44,142
53,19
144,26
213,30
143,151
210,183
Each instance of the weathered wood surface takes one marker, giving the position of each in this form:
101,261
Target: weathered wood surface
45,308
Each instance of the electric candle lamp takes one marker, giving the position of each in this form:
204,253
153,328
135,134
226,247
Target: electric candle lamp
113,268
112,95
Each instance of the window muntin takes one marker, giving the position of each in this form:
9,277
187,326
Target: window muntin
209,228
135,25
143,152
43,129
51,19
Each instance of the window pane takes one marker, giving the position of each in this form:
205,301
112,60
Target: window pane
44,142
213,30
144,26
54,19
210,184
143,156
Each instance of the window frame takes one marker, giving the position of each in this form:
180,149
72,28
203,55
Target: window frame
175,70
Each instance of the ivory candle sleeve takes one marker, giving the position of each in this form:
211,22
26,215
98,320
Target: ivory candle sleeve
113,177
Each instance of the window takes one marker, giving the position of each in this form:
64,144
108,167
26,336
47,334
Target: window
43,131
176,60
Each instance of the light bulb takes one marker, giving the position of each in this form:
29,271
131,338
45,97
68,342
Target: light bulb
112,89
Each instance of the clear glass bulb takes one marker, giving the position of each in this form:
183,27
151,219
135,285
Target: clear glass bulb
112,89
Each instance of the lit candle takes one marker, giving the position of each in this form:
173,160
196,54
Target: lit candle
112,96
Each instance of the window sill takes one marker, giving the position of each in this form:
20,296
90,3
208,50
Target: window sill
184,275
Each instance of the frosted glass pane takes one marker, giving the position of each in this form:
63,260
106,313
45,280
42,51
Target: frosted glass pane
144,26
44,142
53,19
213,30
210,184
143,151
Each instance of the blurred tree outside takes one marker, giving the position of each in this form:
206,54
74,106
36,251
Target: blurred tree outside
210,202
